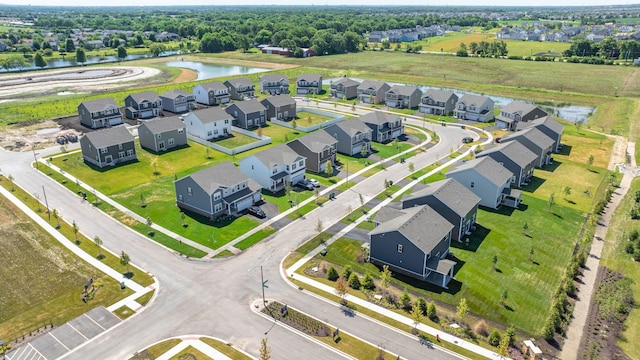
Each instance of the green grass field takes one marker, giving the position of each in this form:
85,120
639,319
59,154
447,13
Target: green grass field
236,140
307,118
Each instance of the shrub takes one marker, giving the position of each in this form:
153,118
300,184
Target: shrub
570,287
481,328
367,282
354,281
635,212
494,337
405,300
421,304
629,248
636,256
332,274
431,311
346,272
634,235
511,335
549,330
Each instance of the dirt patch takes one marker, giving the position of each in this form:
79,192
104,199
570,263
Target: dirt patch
186,75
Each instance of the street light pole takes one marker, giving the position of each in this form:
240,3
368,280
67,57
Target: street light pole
264,301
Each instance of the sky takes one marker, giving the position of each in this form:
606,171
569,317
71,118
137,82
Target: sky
319,2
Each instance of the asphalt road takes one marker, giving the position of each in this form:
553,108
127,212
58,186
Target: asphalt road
213,297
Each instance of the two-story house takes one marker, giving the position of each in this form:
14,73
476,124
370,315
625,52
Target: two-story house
274,84
108,147
344,88
516,112
318,148
212,93
162,134
247,114
405,245
354,137
489,180
474,107
372,91
208,124
275,166
549,127
309,84
143,105
178,101
514,156
438,102
534,140
99,113
403,97
450,199
220,189
384,127
241,88
280,107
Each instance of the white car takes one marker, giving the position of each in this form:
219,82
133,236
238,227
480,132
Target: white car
314,182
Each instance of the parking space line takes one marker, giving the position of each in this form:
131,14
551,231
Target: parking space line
89,317
78,331
56,339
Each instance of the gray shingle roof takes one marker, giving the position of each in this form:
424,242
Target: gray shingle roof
273,77
469,99
518,107
213,86
438,95
373,84
346,82
404,90
175,93
161,125
317,140
145,95
534,135
280,100
353,126
209,115
413,224
549,123
379,118
240,82
99,104
310,77
225,174
249,106
487,168
109,137
387,213
451,193
514,151
277,155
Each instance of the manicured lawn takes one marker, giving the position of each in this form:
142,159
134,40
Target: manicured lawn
255,238
156,350
124,312
281,199
236,140
280,134
190,353
389,149
307,118
144,299
230,351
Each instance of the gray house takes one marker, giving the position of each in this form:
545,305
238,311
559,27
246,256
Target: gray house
438,102
549,127
212,93
487,179
280,107
450,199
240,88
178,101
516,112
162,134
220,189
372,91
344,88
247,114
274,167
274,84
514,156
318,147
403,97
108,147
534,140
99,113
474,107
384,127
352,135
415,244
309,84
143,105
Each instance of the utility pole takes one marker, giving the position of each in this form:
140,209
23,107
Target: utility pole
46,203
264,285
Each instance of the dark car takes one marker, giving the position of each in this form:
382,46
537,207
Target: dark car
257,212
467,140
305,184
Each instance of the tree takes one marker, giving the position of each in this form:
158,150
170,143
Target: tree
142,201
98,242
385,278
332,274
124,261
347,271
525,227
319,228
57,217
462,309
364,150
294,125
368,283
24,49
329,168
416,316
421,304
412,167
13,186
503,297
354,281
342,289
503,346
70,46
396,144
551,201
405,299
510,335
462,51
156,49
494,260
494,337
431,310
122,52
40,61
531,252
566,191
76,229
590,162
287,189
81,56
265,350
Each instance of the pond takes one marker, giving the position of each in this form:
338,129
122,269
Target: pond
70,60
208,71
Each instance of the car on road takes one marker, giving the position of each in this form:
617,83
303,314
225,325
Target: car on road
314,182
305,184
467,140
257,212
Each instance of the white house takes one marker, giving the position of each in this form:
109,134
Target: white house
273,167
209,123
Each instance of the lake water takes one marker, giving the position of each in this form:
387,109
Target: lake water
208,71
70,60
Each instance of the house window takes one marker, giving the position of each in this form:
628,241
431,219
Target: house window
179,197
217,207
103,151
180,131
217,196
215,132
513,179
226,121
301,163
119,146
159,136
293,167
171,141
209,133
400,248
274,170
473,183
189,192
130,152
121,154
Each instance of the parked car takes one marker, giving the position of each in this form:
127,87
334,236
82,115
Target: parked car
467,140
314,182
305,184
257,212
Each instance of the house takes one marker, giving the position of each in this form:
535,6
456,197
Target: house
402,97
534,140
247,114
438,102
309,84
220,189
516,158
276,50
108,147
99,113
162,134
317,147
143,105
212,93
384,127
275,166
280,107
372,91
517,111
344,88
474,107
274,84
240,88
354,137
208,124
450,199
415,243
489,180
178,101
549,127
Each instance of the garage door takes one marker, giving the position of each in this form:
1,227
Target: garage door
115,121
181,108
245,203
397,133
146,114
